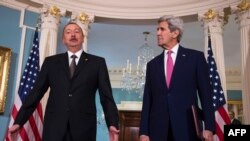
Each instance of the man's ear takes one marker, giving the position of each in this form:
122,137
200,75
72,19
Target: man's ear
175,33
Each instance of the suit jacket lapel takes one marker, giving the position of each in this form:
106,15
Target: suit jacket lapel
161,70
65,63
180,59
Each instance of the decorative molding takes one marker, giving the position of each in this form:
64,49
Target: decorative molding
83,18
243,6
213,17
242,13
130,105
233,78
18,5
55,11
146,10
50,17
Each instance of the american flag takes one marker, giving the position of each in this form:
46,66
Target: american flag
32,130
219,101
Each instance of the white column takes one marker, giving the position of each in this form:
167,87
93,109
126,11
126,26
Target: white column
83,20
213,22
50,21
213,25
243,19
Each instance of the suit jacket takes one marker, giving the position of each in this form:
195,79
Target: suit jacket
71,101
236,121
165,108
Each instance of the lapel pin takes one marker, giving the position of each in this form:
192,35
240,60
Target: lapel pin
183,55
86,59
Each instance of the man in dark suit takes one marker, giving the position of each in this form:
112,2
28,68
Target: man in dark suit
174,82
71,111
233,119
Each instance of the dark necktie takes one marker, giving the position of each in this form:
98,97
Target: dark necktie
170,66
72,66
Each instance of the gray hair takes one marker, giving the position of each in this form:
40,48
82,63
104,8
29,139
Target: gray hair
174,23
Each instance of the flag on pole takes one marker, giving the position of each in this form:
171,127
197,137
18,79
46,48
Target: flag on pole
219,101
32,129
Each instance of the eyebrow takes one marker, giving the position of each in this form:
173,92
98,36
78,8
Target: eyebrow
77,29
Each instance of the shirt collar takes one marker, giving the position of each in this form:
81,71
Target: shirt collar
174,49
78,53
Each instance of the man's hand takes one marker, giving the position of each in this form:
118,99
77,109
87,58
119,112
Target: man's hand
208,135
144,138
113,133
13,131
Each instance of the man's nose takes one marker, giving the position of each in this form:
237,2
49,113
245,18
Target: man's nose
73,34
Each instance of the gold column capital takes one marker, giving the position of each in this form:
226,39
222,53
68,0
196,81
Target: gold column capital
55,11
212,15
243,6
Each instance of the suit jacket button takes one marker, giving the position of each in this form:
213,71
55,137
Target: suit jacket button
70,95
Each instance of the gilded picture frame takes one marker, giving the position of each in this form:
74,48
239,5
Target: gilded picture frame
5,57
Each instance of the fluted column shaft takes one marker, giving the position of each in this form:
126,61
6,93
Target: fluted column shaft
50,21
243,19
49,28
215,28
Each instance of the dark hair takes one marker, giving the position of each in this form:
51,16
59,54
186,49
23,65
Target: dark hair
69,23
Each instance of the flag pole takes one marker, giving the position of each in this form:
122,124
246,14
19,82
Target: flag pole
32,129
219,99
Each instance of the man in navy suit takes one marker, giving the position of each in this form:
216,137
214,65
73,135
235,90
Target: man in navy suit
166,112
71,111
233,119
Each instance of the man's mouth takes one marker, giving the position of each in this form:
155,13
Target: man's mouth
73,39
